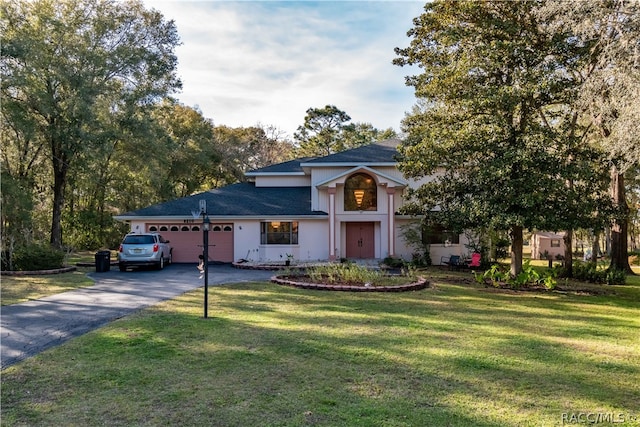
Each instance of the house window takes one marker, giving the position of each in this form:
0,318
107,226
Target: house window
279,233
555,243
360,193
174,228
153,228
436,234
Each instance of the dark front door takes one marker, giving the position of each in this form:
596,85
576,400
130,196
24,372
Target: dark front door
360,238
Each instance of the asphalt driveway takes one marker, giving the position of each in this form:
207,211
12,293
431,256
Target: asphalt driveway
33,326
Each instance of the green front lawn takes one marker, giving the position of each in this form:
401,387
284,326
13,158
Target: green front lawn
456,354
17,289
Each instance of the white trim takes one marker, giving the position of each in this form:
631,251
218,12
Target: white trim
353,170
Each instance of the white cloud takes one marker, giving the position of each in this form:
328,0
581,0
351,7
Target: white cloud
244,63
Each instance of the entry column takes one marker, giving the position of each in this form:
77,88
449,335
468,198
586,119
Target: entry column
391,221
332,223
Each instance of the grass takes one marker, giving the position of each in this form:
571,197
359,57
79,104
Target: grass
455,354
17,289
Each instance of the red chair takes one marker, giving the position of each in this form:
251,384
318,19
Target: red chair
475,260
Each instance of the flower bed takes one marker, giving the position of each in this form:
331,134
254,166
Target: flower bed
305,282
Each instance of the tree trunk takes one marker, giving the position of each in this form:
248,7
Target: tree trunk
516,250
568,253
619,244
595,247
60,173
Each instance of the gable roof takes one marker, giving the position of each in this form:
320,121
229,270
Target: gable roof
243,199
383,152
341,176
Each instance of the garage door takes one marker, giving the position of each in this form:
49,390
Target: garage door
221,238
186,241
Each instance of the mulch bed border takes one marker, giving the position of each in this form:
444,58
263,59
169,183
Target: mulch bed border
422,283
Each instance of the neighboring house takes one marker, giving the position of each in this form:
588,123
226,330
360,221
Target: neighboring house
545,245
343,205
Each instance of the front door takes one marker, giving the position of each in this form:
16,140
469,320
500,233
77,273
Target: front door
360,240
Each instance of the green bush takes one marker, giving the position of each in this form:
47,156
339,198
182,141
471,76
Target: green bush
37,257
394,262
500,277
589,272
616,277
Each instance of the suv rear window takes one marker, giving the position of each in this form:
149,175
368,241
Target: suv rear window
138,240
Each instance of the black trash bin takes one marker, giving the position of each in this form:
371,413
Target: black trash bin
103,261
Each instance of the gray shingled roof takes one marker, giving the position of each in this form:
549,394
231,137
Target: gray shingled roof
378,152
292,166
243,199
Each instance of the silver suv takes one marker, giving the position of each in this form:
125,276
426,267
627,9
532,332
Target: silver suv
144,249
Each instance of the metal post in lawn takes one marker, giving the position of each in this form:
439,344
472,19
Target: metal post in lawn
205,254
205,244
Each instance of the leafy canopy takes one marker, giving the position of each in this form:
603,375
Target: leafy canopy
492,122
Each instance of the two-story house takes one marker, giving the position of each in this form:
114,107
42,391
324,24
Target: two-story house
344,205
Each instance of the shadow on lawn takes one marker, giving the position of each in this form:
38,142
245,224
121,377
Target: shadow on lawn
272,355
528,342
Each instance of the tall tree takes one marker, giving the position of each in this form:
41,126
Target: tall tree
609,93
359,134
244,149
320,133
63,61
192,153
492,83
326,131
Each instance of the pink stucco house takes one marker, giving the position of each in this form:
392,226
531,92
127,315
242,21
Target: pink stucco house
344,205
551,244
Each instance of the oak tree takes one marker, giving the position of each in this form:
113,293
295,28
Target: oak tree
491,123
66,64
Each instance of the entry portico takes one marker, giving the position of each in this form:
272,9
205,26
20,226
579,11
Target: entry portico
361,206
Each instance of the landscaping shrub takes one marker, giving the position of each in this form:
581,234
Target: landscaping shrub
394,262
616,277
500,277
589,272
37,257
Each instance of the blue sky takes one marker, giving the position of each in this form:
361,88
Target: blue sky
265,62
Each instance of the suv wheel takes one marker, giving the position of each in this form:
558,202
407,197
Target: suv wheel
161,263
122,267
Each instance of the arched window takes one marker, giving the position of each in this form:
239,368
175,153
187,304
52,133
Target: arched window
360,193
153,228
175,228
164,228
